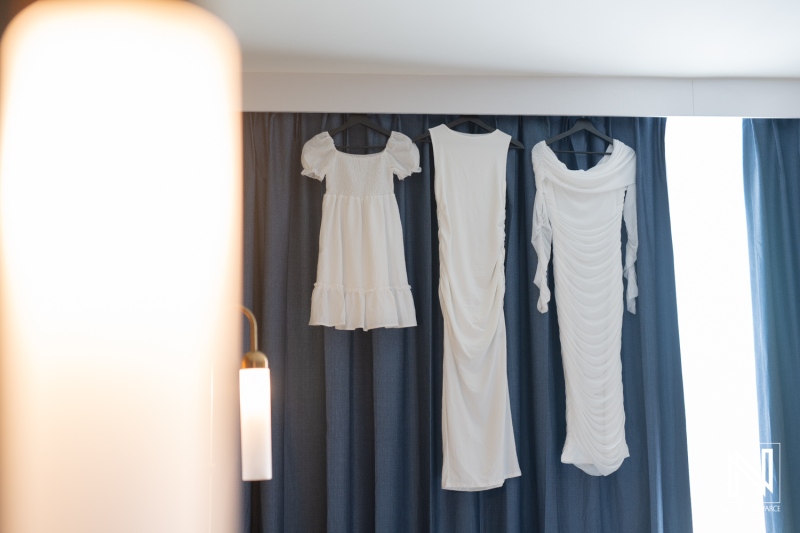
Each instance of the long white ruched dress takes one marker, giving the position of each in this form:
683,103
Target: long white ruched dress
478,446
581,213
361,270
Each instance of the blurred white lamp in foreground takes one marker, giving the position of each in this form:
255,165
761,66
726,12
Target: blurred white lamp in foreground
120,269
255,410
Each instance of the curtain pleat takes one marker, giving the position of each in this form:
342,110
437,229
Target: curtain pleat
357,415
771,153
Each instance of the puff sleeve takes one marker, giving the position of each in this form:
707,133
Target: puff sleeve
317,156
404,154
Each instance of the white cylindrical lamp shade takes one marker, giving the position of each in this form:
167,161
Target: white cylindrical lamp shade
256,422
120,269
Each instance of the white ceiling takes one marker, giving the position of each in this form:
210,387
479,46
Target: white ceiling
669,38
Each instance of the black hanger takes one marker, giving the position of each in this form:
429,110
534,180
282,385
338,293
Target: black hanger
426,137
582,124
360,120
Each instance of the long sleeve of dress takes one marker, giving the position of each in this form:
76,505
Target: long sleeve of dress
542,239
629,215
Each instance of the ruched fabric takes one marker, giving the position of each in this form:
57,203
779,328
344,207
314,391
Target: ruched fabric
581,212
479,451
361,269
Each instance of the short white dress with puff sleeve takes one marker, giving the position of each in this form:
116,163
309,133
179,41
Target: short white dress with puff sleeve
361,270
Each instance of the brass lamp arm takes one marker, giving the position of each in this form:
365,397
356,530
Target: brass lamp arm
253,328
253,358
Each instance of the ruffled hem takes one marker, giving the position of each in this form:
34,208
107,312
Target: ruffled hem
359,308
478,485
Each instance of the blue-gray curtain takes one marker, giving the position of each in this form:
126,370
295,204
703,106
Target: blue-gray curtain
357,416
771,150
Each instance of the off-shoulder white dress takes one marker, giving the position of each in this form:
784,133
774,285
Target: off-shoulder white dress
479,451
581,214
361,270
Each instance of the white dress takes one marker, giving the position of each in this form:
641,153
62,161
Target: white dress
361,270
581,213
478,446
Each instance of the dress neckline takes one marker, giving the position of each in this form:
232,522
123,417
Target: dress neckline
468,135
358,156
616,147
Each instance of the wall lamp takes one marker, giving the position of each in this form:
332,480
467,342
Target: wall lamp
255,409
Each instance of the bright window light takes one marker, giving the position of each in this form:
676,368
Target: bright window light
706,194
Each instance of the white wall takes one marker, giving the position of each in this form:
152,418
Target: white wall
521,95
